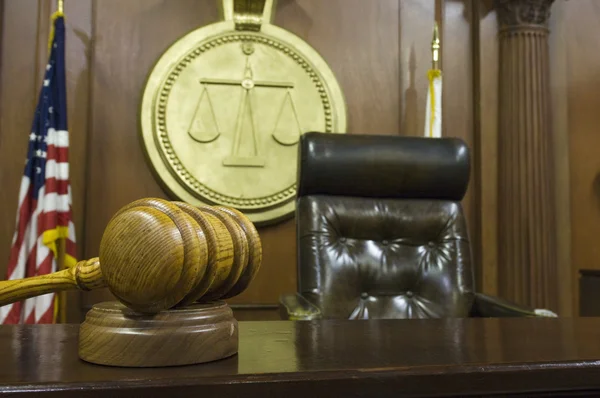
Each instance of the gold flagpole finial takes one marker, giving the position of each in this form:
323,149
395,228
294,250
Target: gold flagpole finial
435,47
59,13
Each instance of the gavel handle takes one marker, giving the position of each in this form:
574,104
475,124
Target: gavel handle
85,275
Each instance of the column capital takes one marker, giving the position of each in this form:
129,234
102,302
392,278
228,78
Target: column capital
520,13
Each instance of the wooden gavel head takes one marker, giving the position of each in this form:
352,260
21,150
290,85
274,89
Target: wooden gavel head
157,254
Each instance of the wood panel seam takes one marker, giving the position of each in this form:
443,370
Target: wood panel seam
90,122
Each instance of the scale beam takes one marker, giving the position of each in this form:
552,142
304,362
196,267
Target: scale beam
228,82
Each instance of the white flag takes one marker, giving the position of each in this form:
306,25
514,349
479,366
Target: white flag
433,113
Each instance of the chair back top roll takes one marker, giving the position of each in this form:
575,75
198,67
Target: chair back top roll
383,166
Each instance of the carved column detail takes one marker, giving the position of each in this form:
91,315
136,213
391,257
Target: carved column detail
527,250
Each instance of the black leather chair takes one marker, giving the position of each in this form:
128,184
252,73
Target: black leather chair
381,231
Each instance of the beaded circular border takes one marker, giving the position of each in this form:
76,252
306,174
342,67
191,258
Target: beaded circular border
171,157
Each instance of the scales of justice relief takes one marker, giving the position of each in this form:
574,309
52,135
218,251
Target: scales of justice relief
224,108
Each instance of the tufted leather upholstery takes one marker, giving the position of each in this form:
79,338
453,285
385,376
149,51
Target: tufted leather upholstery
384,258
381,231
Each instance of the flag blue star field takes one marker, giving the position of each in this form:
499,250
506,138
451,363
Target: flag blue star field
44,209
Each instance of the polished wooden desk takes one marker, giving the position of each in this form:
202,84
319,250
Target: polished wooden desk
458,357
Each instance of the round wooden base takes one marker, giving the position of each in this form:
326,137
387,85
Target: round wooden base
114,335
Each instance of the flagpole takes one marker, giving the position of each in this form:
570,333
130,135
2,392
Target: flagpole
433,113
435,48
61,243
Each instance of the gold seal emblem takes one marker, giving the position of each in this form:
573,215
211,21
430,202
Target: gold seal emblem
225,106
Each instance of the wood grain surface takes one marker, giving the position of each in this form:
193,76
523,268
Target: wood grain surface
559,84
561,38
471,357
155,254
224,254
207,231
114,335
526,212
582,95
85,275
149,255
240,252
486,136
254,251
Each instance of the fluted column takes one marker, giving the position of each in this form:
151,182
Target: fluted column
527,249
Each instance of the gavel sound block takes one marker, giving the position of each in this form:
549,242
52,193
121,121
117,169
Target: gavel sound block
169,264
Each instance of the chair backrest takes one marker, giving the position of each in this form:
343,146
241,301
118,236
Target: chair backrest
381,232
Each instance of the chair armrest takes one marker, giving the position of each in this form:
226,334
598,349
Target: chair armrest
494,307
295,307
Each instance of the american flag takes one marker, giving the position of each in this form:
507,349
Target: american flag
44,212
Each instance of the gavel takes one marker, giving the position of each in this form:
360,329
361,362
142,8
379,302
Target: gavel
156,255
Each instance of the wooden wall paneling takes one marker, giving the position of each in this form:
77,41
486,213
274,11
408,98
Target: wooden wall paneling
18,95
360,41
278,272
487,143
583,88
44,23
1,32
475,106
127,45
1,37
129,38
456,66
2,231
79,38
560,135
364,58
416,29
254,312
457,101
78,60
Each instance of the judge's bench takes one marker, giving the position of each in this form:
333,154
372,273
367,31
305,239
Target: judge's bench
521,357
385,307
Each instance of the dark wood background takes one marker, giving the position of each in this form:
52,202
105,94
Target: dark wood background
582,99
380,53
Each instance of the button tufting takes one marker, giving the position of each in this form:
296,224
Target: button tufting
385,242
364,295
343,240
409,294
431,244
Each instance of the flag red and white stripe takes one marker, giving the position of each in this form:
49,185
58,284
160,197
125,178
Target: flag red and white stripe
44,209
